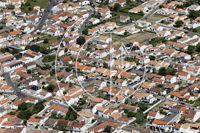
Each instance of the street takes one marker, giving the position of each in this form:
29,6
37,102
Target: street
44,16
153,11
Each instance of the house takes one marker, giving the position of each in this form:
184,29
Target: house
84,2
98,85
168,105
105,39
135,10
141,23
93,31
115,116
124,19
122,2
64,60
157,91
184,75
120,31
156,28
163,33
87,116
49,124
171,86
121,82
154,115
118,99
170,79
191,80
54,45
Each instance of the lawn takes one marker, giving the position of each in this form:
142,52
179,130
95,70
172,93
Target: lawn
32,3
52,39
131,15
155,18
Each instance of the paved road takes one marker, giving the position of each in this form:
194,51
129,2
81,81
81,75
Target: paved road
16,89
10,82
44,16
173,28
152,12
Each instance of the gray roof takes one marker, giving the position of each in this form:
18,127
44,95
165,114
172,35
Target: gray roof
2,110
51,122
30,64
12,97
170,117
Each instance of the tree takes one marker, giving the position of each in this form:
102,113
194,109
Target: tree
178,23
107,129
81,40
130,114
162,71
27,47
125,33
71,114
191,50
24,114
43,49
116,7
198,47
50,87
52,72
152,57
85,31
29,71
128,2
24,106
71,117
46,40
172,96
38,107
27,3
10,6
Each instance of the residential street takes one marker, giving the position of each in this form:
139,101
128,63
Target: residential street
44,16
152,12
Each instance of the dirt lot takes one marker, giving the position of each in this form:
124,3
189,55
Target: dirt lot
140,37
155,17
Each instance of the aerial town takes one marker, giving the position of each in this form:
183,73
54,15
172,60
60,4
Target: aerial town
99,66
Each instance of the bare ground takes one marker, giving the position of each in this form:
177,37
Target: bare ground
140,37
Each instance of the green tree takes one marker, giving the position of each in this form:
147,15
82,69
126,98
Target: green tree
50,87
162,71
52,72
43,49
1,27
29,71
24,114
46,40
179,23
81,40
71,117
152,57
27,47
191,50
116,7
172,96
38,107
107,129
198,47
85,31
23,106
27,3
10,6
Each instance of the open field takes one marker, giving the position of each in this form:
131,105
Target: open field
140,37
155,17
32,3
52,39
